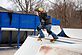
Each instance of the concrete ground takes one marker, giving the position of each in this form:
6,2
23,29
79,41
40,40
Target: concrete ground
6,50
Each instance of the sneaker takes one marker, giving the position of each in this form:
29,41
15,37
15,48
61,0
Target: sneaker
39,39
52,40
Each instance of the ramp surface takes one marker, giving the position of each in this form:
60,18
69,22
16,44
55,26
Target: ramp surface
74,49
29,47
73,33
33,47
63,46
70,32
56,29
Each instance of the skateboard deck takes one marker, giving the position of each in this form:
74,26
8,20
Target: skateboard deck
51,40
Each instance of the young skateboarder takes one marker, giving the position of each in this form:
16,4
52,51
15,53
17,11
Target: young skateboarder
45,23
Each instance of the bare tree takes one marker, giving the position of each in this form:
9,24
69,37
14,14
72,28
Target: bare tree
26,5
67,13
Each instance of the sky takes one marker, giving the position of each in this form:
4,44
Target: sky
5,4
9,5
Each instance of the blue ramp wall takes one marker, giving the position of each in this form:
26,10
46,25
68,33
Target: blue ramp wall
4,19
55,21
15,20
0,19
29,21
37,21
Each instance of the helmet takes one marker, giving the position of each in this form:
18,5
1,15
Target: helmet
40,9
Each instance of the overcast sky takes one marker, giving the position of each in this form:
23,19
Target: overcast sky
5,3
8,5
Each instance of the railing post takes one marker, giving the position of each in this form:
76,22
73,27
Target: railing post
34,31
10,39
35,27
26,34
18,39
18,34
0,35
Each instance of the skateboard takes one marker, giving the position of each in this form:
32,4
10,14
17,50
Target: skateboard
51,40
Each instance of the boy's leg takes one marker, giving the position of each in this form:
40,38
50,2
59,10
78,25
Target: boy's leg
54,35
40,32
41,35
48,27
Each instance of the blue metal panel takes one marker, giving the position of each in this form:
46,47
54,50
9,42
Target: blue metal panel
58,22
0,29
4,19
27,21
37,21
15,20
0,19
48,17
55,21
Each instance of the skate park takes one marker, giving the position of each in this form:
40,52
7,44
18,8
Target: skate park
17,27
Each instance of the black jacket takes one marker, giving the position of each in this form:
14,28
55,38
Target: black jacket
44,20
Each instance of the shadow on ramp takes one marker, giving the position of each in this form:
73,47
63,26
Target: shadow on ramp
62,34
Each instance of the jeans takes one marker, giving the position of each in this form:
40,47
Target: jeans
48,28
